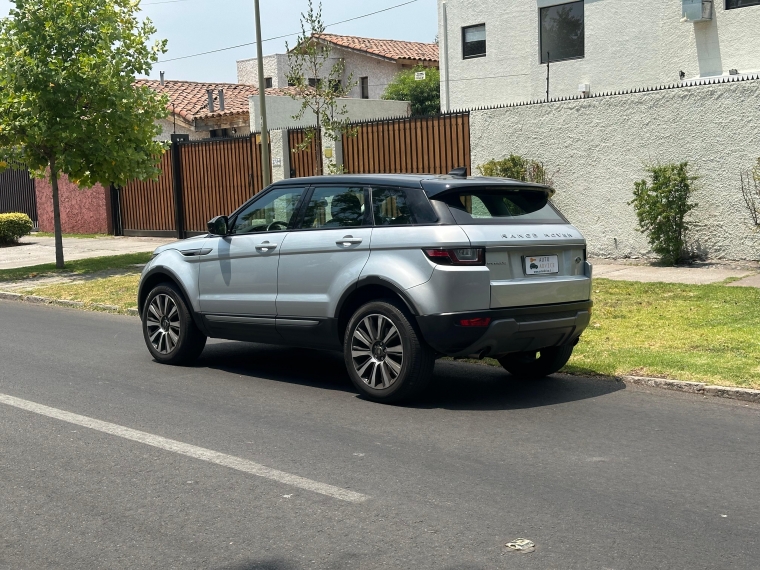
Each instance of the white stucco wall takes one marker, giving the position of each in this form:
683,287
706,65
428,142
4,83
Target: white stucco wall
379,71
280,111
275,66
168,128
628,44
598,148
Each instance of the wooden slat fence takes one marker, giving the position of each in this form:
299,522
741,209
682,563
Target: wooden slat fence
17,193
148,207
303,162
424,145
216,177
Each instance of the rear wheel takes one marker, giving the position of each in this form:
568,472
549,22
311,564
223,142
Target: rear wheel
537,364
387,359
170,333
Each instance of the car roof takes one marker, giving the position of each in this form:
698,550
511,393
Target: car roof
432,184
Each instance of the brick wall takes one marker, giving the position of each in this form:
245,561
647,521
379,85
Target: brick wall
83,211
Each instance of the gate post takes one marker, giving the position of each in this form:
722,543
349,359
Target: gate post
179,205
113,204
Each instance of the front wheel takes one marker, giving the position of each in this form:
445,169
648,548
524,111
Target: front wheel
168,328
387,359
537,364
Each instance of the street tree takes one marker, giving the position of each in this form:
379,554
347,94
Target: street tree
316,80
68,103
425,94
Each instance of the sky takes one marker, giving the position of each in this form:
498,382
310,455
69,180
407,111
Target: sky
194,26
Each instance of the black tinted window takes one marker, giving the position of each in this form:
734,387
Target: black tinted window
401,207
562,32
730,4
474,41
501,206
271,212
335,207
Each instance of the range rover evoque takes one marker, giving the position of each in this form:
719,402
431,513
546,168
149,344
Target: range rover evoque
394,270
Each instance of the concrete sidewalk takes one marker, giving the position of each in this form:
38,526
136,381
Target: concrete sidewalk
38,250
698,274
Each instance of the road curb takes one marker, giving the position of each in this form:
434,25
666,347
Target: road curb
742,394
8,296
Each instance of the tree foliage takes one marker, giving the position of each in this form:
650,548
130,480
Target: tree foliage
424,94
517,168
68,103
317,82
661,205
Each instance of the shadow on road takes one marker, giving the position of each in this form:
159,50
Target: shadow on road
455,386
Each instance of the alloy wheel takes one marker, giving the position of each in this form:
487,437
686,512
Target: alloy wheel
163,323
377,352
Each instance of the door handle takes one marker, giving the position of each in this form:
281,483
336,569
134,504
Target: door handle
349,240
266,246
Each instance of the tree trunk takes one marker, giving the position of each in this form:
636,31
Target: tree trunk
56,216
317,142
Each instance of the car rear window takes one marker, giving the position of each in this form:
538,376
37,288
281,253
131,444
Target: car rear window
501,205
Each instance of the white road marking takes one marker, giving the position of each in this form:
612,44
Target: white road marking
186,449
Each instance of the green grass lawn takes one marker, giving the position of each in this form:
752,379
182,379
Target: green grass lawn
79,267
705,333
119,290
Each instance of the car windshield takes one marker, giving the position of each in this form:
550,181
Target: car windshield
501,205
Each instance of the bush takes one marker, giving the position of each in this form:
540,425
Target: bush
13,227
661,205
517,168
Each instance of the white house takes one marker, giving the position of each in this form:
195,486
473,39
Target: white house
495,52
373,63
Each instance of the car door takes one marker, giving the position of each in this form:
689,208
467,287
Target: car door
238,279
322,257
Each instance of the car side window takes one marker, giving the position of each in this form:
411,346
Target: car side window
401,207
335,207
271,213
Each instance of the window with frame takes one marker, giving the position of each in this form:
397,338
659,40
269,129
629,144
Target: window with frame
364,81
272,212
401,207
268,83
731,4
335,207
563,34
474,41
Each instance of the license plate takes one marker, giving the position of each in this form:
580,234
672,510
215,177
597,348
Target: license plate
541,265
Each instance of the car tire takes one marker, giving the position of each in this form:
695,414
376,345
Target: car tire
537,364
386,357
170,333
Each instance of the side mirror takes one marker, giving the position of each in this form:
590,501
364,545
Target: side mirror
218,226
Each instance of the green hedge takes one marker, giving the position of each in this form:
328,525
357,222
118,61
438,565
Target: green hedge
14,226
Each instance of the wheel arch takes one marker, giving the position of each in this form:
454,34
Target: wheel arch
160,275
366,290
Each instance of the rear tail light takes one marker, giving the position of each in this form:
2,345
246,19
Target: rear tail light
480,322
460,256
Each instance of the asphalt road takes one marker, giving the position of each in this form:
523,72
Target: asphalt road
597,475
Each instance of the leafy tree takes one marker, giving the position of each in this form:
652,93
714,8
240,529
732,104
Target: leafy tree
425,94
661,205
517,168
318,83
67,100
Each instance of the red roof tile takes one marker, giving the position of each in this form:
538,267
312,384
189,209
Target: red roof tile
189,99
389,49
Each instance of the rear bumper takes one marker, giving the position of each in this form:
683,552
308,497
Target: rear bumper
511,330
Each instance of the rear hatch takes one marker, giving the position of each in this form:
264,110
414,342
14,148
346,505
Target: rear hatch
534,255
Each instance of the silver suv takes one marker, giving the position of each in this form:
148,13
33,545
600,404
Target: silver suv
394,270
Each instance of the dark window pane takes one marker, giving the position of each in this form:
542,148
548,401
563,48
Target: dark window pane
365,87
500,206
331,207
562,32
271,212
730,4
399,207
474,41
267,82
